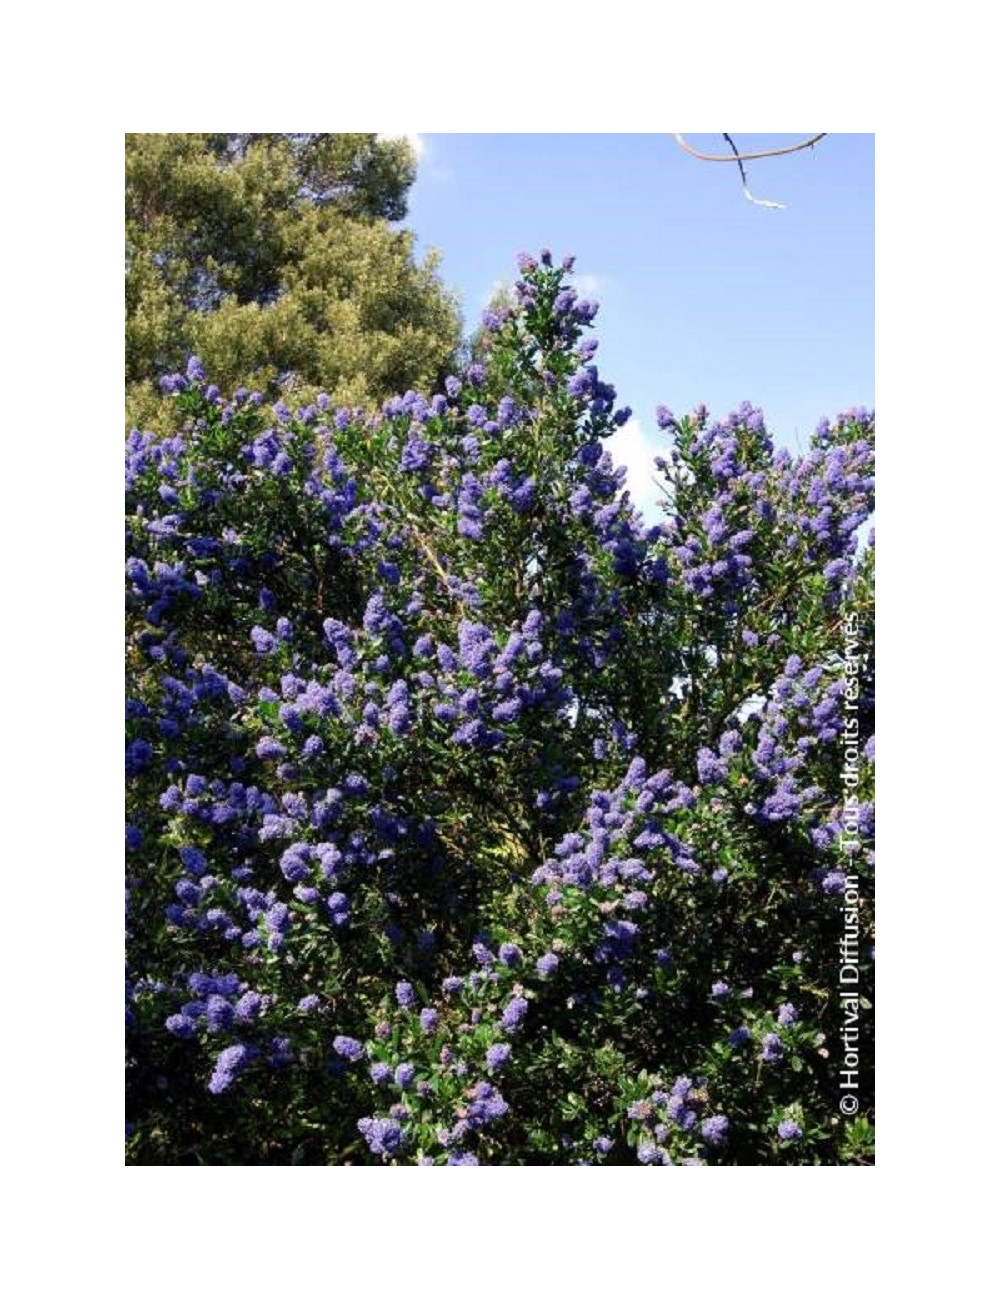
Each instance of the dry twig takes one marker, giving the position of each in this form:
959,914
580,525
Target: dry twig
741,158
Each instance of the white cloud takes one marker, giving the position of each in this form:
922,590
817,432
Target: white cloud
588,285
633,447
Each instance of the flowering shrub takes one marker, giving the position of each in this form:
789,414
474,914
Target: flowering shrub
472,820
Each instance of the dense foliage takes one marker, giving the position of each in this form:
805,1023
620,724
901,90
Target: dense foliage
471,819
272,257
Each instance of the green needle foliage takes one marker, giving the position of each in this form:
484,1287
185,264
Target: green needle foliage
274,258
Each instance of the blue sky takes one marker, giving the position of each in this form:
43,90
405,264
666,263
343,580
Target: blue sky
704,297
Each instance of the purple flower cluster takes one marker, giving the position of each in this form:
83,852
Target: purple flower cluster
668,1128
229,1065
384,1136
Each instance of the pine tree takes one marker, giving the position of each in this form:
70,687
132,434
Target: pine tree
274,258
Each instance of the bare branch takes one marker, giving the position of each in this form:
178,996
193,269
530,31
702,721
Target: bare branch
748,157
741,158
761,203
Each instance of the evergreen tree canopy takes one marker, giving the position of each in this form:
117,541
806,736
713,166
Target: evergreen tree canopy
272,256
